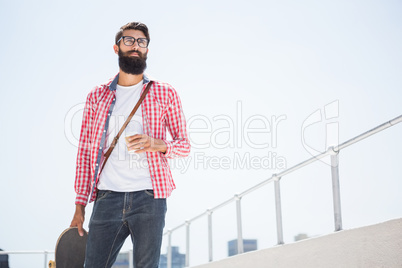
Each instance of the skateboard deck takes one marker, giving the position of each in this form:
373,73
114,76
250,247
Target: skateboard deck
70,249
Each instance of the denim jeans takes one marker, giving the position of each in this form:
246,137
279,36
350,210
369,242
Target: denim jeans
117,215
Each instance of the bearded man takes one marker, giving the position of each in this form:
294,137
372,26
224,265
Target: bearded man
129,177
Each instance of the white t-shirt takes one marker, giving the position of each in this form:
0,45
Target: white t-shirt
125,172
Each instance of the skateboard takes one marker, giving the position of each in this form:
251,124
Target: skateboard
70,249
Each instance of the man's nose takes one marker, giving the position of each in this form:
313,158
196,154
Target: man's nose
135,45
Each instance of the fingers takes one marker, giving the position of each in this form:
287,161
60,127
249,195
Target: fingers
139,143
143,150
79,224
80,229
135,137
78,219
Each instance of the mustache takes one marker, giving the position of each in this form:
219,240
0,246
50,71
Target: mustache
134,51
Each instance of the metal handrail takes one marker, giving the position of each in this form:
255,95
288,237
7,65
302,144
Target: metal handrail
332,152
46,252
26,252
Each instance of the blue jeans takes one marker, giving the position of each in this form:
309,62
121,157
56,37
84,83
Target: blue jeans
117,215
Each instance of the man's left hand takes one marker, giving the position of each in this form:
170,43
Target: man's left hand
141,143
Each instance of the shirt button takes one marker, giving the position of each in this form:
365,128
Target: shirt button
96,164
100,147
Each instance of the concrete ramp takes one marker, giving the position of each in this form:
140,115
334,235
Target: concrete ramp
374,246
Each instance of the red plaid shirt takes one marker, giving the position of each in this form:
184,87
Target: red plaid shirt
161,110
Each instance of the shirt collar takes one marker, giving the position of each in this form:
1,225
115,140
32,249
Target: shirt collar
113,85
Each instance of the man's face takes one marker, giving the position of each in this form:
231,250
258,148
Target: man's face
132,58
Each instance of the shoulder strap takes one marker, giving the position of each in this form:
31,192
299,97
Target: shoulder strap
114,142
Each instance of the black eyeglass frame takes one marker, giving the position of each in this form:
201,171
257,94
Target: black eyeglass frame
138,39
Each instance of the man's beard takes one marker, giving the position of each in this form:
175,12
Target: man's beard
132,64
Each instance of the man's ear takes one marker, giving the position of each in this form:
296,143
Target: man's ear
116,49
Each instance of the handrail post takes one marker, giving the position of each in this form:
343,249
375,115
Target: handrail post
169,252
130,259
278,207
336,189
240,248
210,258
188,243
45,253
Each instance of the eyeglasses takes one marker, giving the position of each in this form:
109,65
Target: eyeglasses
129,41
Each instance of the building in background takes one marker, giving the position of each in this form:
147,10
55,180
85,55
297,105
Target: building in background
122,260
3,261
248,245
300,237
178,259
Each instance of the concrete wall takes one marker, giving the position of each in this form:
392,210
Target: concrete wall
376,246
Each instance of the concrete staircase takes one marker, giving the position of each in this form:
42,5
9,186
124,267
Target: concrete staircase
374,246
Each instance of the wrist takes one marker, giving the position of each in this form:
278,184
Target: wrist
162,147
80,208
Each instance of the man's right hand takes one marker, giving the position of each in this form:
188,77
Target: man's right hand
79,217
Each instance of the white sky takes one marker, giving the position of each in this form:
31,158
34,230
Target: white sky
254,60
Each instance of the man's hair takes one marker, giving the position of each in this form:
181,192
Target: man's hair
133,26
